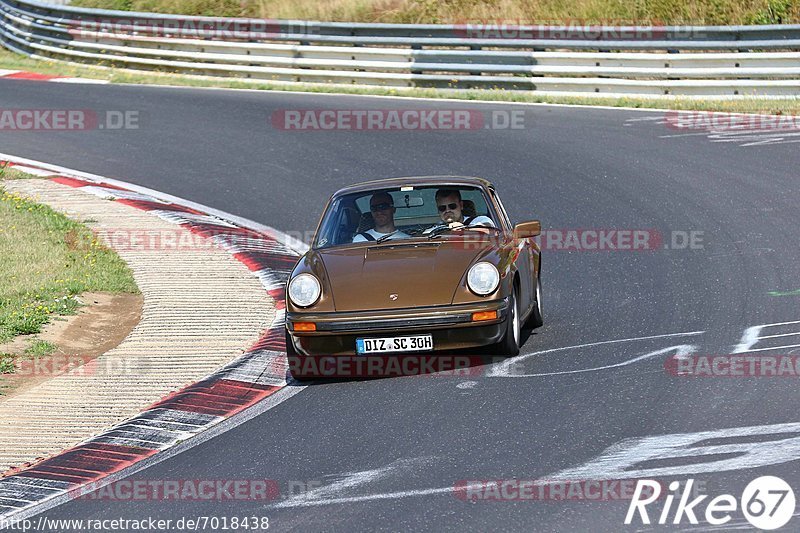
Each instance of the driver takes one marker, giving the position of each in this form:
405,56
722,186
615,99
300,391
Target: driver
451,208
382,207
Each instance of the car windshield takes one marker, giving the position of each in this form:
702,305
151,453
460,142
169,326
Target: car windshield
401,213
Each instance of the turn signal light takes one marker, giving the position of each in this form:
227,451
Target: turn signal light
484,315
305,326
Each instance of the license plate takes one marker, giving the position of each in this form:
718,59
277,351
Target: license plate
414,343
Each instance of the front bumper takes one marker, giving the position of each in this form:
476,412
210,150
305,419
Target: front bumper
451,326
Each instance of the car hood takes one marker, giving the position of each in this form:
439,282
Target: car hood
419,274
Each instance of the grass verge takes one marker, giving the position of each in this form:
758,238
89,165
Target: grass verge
42,270
7,365
40,348
455,11
13,61
8,174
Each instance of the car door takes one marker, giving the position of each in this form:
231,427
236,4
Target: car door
524,261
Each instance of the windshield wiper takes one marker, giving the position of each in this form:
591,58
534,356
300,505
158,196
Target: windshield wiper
441,229
482,227
381,239
435,232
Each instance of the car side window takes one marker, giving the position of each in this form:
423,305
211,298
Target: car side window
506,221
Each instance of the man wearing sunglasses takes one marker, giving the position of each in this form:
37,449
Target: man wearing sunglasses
381,205
451,210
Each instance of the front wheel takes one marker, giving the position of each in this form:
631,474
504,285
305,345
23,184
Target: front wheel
510,344
536,319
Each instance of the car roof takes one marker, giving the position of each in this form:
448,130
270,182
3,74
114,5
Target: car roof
415,181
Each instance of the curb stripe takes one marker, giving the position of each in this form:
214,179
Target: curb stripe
221,398
24,75
251,378
146,205
76,182
36,76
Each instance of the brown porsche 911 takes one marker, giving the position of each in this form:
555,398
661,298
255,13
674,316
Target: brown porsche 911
410,265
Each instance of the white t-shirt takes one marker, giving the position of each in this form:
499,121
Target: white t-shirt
378,235
476,221
481,221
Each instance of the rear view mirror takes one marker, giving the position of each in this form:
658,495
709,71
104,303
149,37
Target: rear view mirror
526,230
410,201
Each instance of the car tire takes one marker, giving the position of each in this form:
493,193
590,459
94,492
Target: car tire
536,319
509,345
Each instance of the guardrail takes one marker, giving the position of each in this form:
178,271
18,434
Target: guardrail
643,61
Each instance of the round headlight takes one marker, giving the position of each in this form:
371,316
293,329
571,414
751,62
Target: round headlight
304,290
483,278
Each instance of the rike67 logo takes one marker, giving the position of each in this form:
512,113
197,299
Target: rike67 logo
767,503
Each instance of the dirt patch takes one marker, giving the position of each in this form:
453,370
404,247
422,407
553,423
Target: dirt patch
100,325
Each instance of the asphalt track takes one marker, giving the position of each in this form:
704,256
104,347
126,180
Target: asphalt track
406,442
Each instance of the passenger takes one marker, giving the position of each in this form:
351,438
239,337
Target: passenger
382,207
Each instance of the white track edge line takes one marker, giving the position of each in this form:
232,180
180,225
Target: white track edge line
290,242
289,390
199,438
